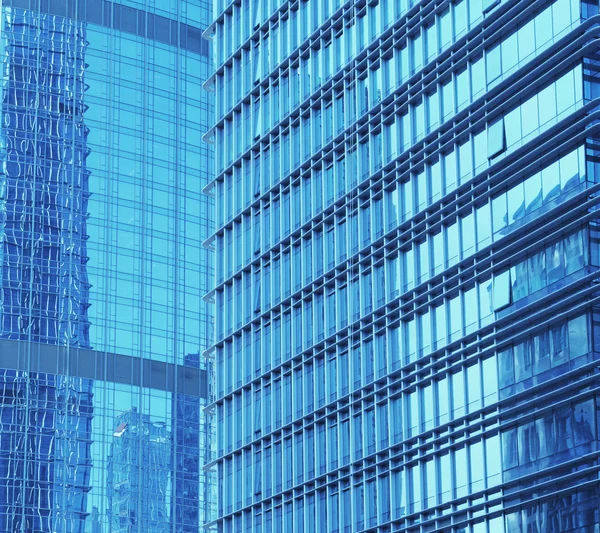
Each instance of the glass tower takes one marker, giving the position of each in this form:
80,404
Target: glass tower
406,266
44,285
102,269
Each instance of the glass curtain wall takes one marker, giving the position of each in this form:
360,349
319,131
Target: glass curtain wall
406,264
102,322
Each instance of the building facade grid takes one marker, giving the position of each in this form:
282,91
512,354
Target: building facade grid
405,254
101,227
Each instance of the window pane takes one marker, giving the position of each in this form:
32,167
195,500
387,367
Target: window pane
496,138
493,64
501,290
578,337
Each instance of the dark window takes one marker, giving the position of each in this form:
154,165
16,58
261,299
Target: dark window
125,18
141,22
161,29
194,39
91,11
58,7
106,6
204,49
150,32
174,32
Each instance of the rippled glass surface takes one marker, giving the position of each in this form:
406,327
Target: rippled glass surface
102,385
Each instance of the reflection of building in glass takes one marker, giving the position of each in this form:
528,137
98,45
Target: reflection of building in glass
45,434
138,472
45,458
45,286
119,324
187,432
93,523
407,247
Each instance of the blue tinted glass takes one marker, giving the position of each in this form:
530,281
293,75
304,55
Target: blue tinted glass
407,237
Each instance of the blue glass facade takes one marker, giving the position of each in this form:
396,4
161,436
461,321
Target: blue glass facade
102,219
139,466
406,255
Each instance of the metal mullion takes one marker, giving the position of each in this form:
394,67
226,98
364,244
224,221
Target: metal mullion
437,132
448,355
442,199
410,78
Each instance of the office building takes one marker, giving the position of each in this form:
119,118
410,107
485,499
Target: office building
406,259
139,466
102,219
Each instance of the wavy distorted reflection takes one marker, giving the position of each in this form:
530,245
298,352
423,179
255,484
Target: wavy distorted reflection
109,437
